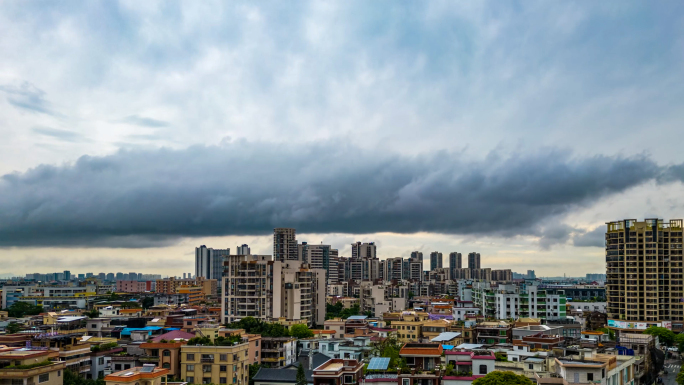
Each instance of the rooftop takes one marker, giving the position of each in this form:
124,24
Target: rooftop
137,373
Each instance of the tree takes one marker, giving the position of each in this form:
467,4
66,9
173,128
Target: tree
301,377
253,370
21,309
666,336
147,302
12,328
679,342
680,378
499,378
611,333
92,314
300,331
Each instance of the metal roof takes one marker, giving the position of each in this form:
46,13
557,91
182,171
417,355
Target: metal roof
378,363
445,337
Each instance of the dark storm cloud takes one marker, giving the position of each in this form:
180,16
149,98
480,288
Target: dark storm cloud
143,121
245,188
593,238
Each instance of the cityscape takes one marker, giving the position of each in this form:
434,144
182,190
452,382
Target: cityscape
341,192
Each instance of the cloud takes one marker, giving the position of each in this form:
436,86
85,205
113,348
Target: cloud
554,234
28,97
143,121
64,135
592,238
247,188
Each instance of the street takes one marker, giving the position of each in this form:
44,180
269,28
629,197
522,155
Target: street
672,366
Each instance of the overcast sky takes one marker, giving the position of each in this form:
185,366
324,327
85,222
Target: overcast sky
132,132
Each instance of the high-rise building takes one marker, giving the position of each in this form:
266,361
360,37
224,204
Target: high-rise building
209,262
474,261
364,250
285,244
505,275
285,289
393,268
110,277
320,257
644,272
67,275
102,276
243,250
455,262
416,257
435,260
119,276
531,274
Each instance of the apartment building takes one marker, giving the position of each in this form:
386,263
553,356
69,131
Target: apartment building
455,262
215,364
259,287
435,260
473,261
135,286
165,355
392,269
285,244
209,262
171,285
513,302
44,372
379,299
645,281
278,352
320,257
505,275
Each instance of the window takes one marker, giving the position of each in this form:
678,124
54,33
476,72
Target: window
603,373
223,357
223,380
166,365
166,353
530,366
257,343
44,377
117,366
590,376
189,323
235,357
100,361
206,380
127,366
190,368
483,369
406,381
223,368
206,368
190,357
59,373
190,380
348,379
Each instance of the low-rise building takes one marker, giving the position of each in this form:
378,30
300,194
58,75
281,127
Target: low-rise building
26,366
215,364
147,375
338,372
278,351
165,355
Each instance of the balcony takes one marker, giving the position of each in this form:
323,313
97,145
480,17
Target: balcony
273,359
149,359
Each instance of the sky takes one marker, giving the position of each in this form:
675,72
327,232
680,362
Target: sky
133,132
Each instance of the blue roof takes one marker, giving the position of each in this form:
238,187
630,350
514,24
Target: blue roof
358,317
149,329
447,347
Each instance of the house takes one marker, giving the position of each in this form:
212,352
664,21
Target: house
467,366
215,364
288,375
147,374
338,372
499,332
448,338
47,373
165,355
278,351
424,361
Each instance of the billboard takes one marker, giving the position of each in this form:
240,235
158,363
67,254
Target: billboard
637,325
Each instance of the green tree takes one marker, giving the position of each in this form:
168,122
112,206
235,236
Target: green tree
253,370
12,328
92,314
301,377
147,302
611,333
389,347
21,309
300,331
680,378
666,336
501,378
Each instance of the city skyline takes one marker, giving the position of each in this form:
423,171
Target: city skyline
516,131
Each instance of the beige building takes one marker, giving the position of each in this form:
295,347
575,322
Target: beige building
165,355
172,285
37,368
376,299
148,374
215,364
257,286
644,281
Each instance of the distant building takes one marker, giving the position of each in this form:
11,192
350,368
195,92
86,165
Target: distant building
435,260
243,250
284,244
209,262
473,261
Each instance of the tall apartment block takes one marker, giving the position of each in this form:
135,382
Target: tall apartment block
243,250
393,269
455,262
644,280
257,286
208,263
474,261
285,244
435,260
364,250
320,257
